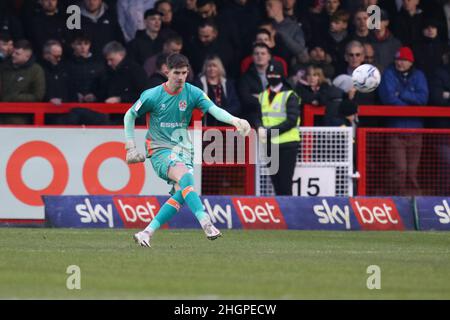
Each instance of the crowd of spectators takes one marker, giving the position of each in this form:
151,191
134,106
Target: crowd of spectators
122,46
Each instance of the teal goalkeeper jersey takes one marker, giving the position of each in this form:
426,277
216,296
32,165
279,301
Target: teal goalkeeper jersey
170,115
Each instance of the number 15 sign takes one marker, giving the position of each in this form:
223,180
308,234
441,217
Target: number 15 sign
314,182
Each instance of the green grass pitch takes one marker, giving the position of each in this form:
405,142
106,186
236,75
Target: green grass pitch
182,264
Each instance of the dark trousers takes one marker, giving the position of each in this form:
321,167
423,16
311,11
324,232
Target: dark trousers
282,180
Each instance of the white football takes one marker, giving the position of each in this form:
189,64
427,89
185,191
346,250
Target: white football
366,78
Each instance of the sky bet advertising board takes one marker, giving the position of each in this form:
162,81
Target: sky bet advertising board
236,212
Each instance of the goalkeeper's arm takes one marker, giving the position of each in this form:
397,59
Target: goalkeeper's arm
242,126
133,155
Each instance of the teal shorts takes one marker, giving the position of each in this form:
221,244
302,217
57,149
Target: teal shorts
163,159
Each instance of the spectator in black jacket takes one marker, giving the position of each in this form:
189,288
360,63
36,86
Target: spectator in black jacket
229,32
408,23
9,23
125,79
166,9
100,23
186,20
318,92
160,75
85,71
56,76
148,41
48,23
209,42
221,90
253,82
429,50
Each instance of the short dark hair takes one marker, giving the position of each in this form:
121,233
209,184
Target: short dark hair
81,37
23,44
202,3
174,38
208,23
177,60
5,37
161,59
157,3
261,45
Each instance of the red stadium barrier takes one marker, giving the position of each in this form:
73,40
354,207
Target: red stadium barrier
311,111
404,161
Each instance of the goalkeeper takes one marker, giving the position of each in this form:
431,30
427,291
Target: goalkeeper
168,145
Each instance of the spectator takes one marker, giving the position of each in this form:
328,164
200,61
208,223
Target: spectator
186,20
160,75
289,30
173,44
246,14
6,47
22,80
408,23
369,54
384,43
130,17
48,23
213,81
208,43
9,23
278,125
165,8
290,10
147,42
253,82
229,32
124,79
317,91
317,57
263,36
314,21
354,57
404,85
276,43
338,37
429,50
85,71
361,30
56,76
100,24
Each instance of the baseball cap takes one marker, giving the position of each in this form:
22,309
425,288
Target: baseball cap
404,53
152,12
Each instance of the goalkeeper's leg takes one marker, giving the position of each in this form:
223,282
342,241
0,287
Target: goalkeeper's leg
166,213
185,180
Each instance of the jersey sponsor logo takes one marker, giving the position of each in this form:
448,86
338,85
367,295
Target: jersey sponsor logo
182,105
171,125
137,105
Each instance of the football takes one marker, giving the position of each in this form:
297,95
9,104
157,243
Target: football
366,78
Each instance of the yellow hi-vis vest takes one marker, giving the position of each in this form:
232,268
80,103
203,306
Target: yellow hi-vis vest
275,113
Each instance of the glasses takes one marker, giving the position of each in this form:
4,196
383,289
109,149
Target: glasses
351,54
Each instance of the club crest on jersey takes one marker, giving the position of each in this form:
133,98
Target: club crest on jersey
182,105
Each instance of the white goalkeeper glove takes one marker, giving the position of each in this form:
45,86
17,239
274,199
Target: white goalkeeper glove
133,155
242,126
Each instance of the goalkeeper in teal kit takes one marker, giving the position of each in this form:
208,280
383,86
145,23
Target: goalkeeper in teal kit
168,145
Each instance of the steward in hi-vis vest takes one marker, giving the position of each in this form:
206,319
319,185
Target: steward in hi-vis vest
280,119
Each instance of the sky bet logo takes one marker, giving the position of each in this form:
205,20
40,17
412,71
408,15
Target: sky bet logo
443,212
259,213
